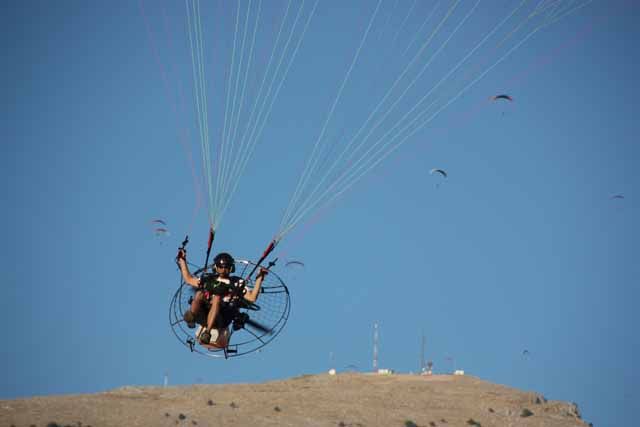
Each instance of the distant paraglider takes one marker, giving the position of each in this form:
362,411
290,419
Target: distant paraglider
617,196
440,172
161,234
293,268
160,230
502,96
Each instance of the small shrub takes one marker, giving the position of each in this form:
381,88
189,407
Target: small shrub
443,420
526,413
166,414
210,402
341,424
491,410
277,409
233,405
194,422
432,424
473,422
410,423
182,417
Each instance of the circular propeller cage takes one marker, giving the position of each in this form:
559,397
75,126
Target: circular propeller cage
270,312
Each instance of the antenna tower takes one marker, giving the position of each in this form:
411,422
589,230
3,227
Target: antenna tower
422,364
375,347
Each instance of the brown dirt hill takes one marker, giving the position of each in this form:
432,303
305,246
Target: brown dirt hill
312,400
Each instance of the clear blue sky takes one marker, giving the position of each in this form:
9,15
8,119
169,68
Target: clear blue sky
521,247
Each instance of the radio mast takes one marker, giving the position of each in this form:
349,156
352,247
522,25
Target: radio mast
375,347
422,364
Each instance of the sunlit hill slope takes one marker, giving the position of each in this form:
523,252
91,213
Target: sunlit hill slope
312,400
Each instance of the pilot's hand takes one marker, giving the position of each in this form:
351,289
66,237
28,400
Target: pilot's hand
182,254
263,272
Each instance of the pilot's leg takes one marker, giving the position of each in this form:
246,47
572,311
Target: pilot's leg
192,315
213,312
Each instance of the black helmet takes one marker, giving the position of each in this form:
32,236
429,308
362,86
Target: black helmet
223,259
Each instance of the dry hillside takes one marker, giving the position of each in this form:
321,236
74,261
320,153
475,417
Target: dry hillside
313,400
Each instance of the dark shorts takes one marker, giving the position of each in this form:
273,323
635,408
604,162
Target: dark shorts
201,317
225,316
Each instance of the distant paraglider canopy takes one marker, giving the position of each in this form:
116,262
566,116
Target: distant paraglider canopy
617,196
440,171
294,264
503,96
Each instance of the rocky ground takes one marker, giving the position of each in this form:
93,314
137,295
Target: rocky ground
356,400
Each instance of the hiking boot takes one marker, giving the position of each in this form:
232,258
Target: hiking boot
205,337
190,319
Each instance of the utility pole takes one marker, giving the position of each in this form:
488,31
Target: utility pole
375,347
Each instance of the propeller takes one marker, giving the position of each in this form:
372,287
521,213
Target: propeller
242,320
258,326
